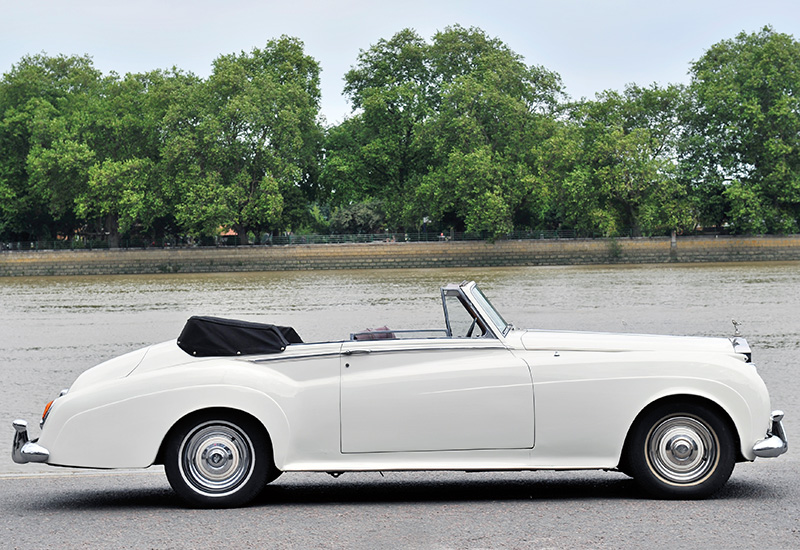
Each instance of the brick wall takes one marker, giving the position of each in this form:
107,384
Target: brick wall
400,255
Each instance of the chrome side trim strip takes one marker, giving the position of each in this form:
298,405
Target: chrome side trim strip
351,351
442,348
776,443
23,450
283,357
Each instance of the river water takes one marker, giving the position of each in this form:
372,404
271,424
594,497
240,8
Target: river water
53,328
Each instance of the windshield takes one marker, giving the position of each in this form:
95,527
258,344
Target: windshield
491,312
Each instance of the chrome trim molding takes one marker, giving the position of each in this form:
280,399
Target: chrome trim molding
354,351
389,334
776,443
483,345
24,450
284,357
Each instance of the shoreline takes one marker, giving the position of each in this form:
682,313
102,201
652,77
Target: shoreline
387,255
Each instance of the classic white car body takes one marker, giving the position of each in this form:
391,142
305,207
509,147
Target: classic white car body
509,400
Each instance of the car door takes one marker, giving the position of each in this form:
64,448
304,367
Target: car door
445,394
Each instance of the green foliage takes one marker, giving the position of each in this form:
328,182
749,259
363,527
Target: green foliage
376,153
494,109
611,167
743,145
363,217
121,192
243,137
59,172
444,132
82,150
42,104
453,132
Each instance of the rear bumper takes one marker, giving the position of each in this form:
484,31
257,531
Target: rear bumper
775,443
24,450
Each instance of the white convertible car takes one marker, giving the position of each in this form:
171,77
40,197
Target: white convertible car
230,405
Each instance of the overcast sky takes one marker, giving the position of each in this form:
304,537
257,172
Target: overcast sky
594,45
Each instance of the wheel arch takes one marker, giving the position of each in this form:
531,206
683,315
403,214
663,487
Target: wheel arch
693,399
224,413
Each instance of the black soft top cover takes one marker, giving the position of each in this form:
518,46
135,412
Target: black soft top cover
214,337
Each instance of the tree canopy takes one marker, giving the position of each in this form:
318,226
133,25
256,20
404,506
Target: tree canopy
443,130
457,132
744,132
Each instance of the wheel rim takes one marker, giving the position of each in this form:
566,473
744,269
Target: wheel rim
216,458
682,450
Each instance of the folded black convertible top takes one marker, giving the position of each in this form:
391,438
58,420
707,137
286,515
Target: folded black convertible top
213,336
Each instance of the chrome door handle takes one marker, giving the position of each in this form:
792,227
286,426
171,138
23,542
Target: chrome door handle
357,351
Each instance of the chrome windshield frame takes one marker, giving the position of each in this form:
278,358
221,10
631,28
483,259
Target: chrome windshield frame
483,302
478,305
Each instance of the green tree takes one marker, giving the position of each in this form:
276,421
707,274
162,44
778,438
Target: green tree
612,166
442,131
127,189
493,110
742,153
244,138
76,145
375,154
362,217
44,106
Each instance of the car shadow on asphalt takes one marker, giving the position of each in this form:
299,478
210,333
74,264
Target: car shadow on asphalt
367,491
463,489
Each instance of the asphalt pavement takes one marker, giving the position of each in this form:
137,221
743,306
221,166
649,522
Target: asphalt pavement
758,508
55,328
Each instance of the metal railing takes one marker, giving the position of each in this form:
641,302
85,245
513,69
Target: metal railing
79,243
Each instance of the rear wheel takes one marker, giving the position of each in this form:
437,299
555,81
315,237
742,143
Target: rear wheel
218,460
681,450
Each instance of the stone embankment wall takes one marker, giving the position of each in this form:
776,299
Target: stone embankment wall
400,255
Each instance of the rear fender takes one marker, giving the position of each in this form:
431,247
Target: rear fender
128,432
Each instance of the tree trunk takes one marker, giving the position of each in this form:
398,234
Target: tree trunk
241,232
112,231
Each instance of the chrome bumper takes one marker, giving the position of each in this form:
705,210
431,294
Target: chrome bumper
775,444
24,450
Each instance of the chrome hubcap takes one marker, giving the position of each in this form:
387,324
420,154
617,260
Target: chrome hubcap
682,450
216,458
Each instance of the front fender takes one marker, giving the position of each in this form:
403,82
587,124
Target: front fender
599,396
749,415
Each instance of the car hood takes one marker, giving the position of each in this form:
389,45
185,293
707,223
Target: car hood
534,340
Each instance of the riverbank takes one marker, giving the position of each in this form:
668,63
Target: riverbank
401,255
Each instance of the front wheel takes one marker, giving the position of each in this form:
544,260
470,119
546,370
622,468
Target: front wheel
681,451
218,461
